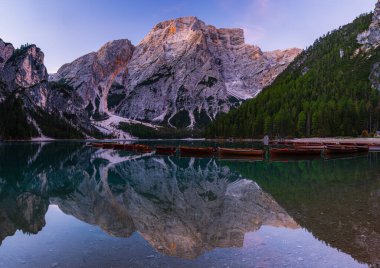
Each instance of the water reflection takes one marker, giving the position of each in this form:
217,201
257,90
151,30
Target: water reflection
182,206
338,200
186,206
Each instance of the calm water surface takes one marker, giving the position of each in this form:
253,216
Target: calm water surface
68,205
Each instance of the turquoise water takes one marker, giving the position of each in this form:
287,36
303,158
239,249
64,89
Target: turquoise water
69,205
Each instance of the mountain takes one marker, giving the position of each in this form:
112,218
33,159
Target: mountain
183,74
30,106
330,89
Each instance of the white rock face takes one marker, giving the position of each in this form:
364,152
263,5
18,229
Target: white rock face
371,37
24,70
370,40
183,73
27,69
93,74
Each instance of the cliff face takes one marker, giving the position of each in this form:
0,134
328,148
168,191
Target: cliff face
24,72
370,41
183,74
371,37
24,80
25,68
6,51
93,74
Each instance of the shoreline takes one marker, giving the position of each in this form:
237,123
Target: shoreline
99,140
317,140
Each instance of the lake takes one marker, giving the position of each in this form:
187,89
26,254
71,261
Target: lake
65,204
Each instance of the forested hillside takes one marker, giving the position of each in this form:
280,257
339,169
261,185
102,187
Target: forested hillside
326,91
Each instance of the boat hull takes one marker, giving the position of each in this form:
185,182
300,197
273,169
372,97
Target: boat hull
165,150
142,148
240,152
107,145
294,152
341,150
118,146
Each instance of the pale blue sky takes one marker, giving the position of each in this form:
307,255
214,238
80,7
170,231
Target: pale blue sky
67,29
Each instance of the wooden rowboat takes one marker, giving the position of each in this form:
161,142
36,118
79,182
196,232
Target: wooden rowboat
315,144
129,147
365,144
196,150
97,145
166,150
362,148
341,149
330,143
108,145
276,152
241,151
118,146
143,148
347,143
304,144
313,147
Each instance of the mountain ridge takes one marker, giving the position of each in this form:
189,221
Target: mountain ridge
177,73
182,75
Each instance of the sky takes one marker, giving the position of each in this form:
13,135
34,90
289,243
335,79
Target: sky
68,29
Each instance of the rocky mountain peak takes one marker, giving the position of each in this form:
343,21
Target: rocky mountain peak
6,51
25,67
180,24
93,74
24,85
182,74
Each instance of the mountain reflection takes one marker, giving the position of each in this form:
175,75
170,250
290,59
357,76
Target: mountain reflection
181,206
186,206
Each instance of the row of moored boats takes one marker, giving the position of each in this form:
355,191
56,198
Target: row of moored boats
275,150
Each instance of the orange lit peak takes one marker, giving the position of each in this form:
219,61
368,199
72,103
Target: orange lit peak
172,30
